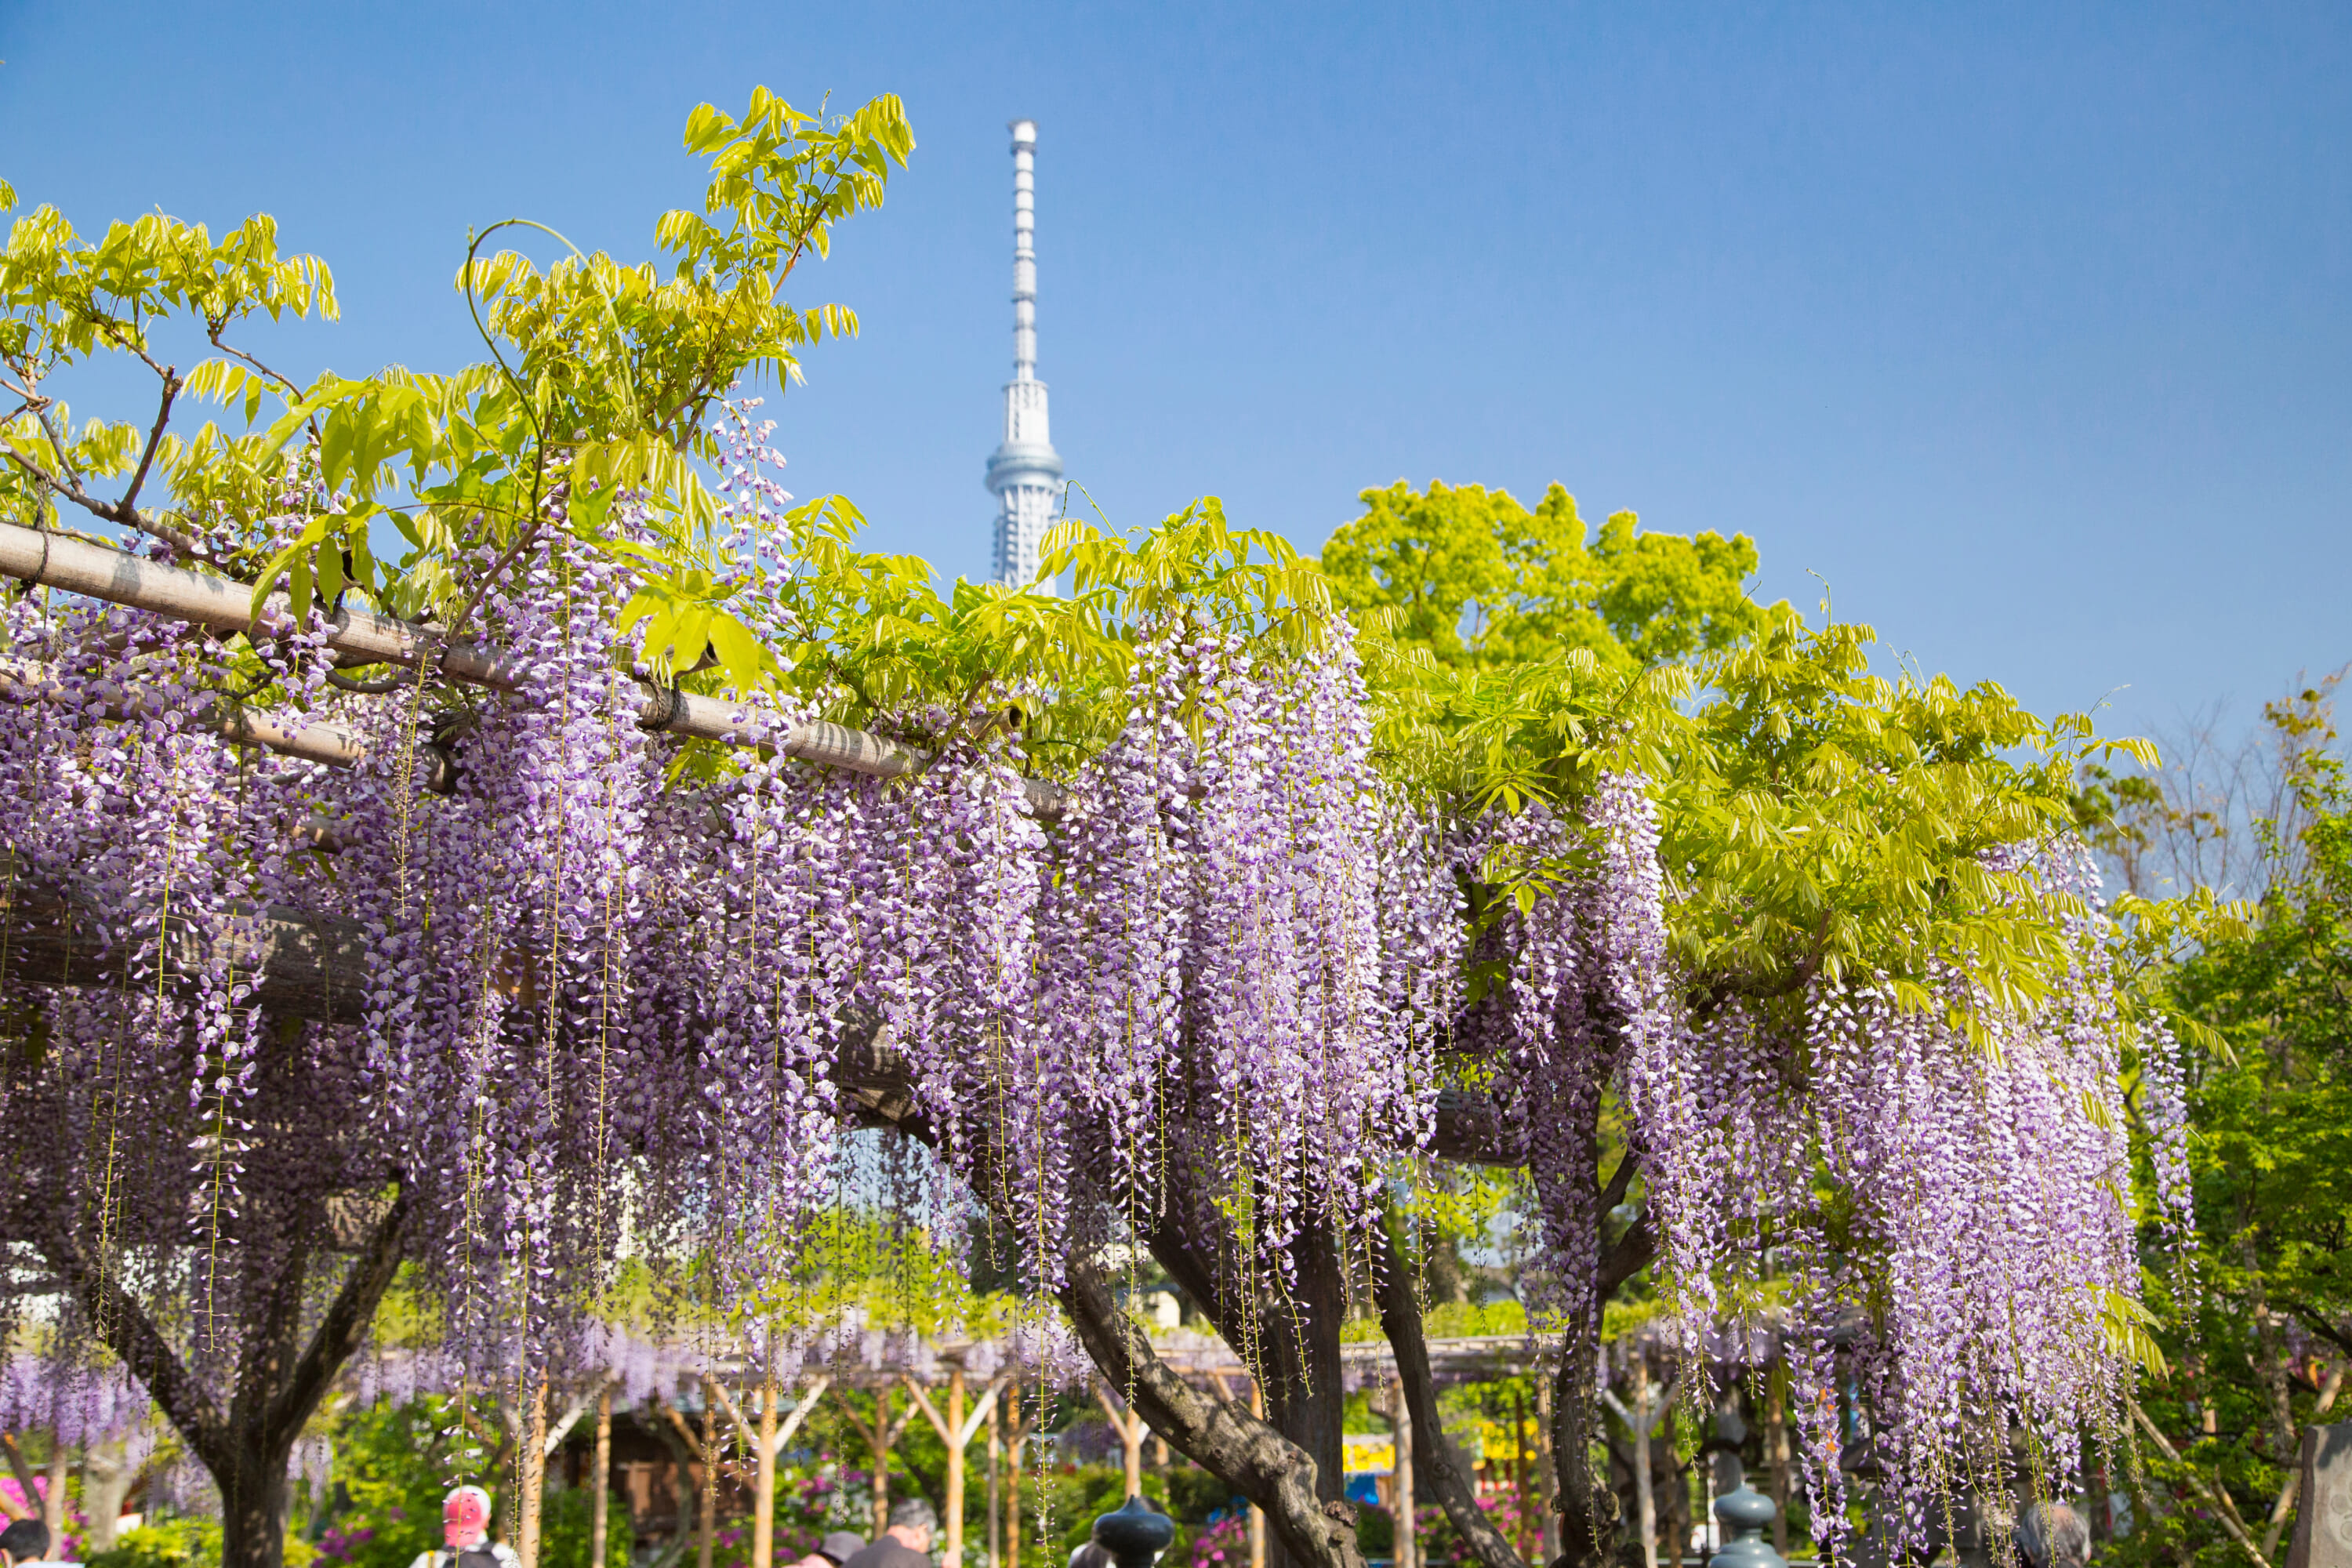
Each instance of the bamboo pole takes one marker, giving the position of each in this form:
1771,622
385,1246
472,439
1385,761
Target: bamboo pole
224,604
1407,1546
1547,1473
53,1500
958,1437
883,1435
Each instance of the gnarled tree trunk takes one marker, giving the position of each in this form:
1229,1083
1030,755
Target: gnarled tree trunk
280,1377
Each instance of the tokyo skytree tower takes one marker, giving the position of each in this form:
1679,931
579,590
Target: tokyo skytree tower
1025,473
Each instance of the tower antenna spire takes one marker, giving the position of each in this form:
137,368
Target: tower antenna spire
1026,472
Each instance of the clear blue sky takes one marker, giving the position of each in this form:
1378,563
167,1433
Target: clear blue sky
2028,329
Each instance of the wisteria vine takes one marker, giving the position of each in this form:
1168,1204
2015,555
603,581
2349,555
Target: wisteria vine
604,1004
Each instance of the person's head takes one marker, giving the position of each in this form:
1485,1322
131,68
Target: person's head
2053,1535
25,1541
839,1547
911,1524
465,1518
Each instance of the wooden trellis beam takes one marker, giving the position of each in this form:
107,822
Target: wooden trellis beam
360,637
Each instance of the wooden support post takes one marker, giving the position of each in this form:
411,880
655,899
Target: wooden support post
956,1428
1406,1551
1258,1514
1547,1473
763,1501
1641,1421
531,1479
53,1500
706,1525
1776,1449
995,1459
1016,1436
880,1433
1129,1422
599,1479
25,1481
956,1436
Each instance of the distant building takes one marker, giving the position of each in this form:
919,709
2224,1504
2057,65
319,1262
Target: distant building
1026,472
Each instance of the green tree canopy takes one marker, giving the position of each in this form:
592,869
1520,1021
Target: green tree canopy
1480,580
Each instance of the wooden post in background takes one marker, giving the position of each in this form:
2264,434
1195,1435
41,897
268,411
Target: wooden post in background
1406,1551
957,1439
882,1435
53,1501
1547,1473
1776,1449
996,1458
1258,1514
707,1526
532,1477
1129,1422
763,1497
1016,1438
957,1428
600,1479
879,1434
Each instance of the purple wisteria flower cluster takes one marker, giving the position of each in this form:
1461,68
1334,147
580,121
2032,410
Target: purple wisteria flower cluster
1944,1210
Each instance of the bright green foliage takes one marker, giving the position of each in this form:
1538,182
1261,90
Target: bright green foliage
66,301
1819,819
2267,1019
566,1526
393,1466
1478,580
193,1542
601,381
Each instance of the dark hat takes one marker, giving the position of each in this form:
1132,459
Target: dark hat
841,1545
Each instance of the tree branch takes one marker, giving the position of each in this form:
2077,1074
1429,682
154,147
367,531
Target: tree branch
1271,1470
2224,1509
129,502
1620,1181
113,511
214,336
130,1335
2317,1321
339,1333
1431,1457
1628,1258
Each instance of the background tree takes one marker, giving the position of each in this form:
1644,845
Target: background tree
2260,1341
1476,579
